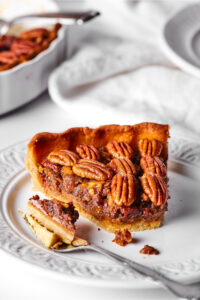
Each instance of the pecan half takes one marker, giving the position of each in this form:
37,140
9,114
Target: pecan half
123,189
24,47
150,148
36,35
120,149
8,58
63,157
155,188
88,152
123,166
92,169
153,165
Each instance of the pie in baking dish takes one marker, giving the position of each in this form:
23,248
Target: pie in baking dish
116,176
16,50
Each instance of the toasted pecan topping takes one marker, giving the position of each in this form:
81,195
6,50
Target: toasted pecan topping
123,166
150,148
123,189
153,165
37,35
8,57
155,188
63,157
92,169
88,152
122,237
23,47
120,149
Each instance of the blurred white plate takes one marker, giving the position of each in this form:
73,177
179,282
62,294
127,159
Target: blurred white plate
181,39
178,240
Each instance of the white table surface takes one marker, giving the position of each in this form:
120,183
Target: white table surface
19,280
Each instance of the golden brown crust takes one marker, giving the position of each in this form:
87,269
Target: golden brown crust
43,143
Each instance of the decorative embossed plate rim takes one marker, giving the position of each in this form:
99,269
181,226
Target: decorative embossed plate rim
12,163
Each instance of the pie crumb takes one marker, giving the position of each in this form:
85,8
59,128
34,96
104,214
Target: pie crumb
122,237
149,250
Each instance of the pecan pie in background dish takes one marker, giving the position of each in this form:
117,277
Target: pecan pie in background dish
116,176
16,50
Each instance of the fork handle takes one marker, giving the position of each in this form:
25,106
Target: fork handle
185,291
65,18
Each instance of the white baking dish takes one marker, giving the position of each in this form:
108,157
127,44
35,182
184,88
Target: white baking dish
26,81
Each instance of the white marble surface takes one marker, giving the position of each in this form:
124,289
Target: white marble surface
19,280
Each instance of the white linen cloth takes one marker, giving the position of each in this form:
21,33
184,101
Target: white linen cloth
119,74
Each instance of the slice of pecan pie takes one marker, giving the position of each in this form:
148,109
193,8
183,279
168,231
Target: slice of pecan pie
116,176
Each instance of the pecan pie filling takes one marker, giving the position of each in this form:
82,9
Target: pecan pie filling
116,182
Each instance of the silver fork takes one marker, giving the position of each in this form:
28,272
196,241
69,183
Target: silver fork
191,292
64,18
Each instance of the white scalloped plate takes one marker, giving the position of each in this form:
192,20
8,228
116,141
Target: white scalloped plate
178,240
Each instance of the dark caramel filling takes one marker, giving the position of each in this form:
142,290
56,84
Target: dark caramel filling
93,196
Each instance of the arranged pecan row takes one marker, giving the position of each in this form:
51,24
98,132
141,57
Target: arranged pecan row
155,172
15,50
120,170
